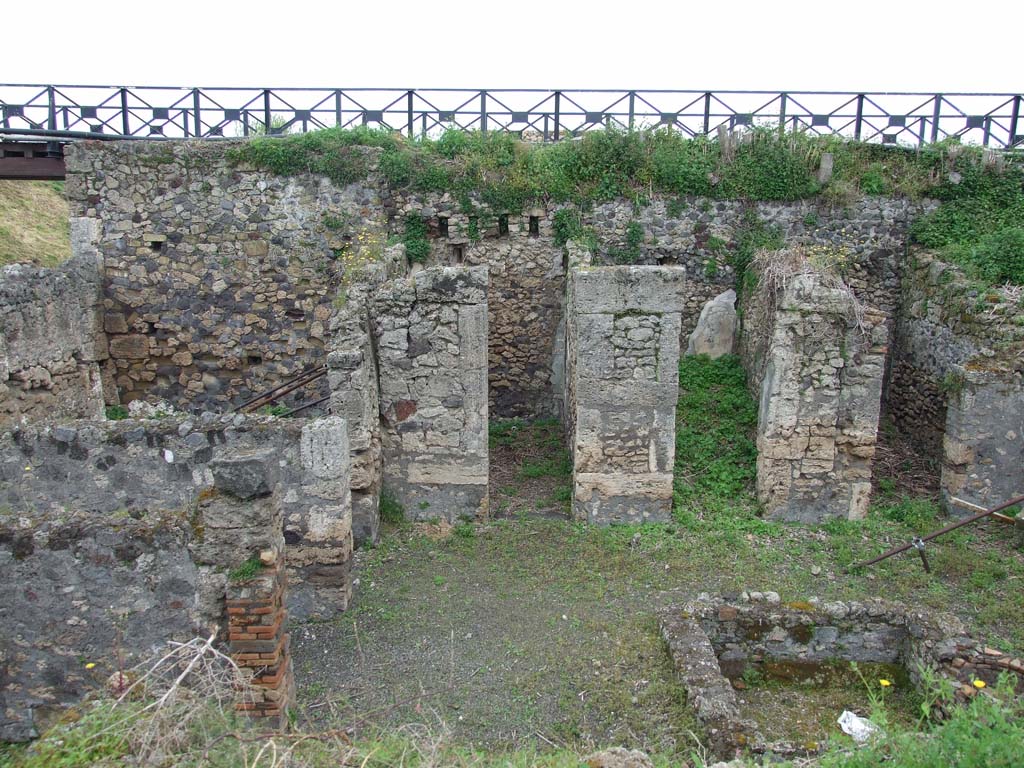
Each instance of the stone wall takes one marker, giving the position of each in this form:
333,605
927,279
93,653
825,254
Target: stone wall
622,375
355,395
953,339
697,233
983,446
79,588
119,536
525,297
141,470
51,337
430,332
816,363
712,641
219,280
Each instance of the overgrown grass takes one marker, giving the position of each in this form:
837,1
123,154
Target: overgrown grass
715,451
506,174
33,223
980,223
989,733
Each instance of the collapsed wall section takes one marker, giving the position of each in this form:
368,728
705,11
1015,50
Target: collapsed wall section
955,385
622,377
815,360
219,279
430,332
51,336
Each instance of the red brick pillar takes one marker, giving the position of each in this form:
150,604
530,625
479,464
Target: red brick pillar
258,642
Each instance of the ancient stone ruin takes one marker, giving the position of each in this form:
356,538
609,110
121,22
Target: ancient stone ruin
195,283
712,642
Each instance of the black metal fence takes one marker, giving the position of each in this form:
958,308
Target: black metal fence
70,111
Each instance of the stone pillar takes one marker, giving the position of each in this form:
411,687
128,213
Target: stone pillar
242,533
983,448
622,382
355,395
318,522
819,375
431,337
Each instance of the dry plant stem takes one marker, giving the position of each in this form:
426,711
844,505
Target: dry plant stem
778,268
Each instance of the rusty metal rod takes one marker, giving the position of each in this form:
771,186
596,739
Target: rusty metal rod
976,508
306,376
282,391
943,531
304,406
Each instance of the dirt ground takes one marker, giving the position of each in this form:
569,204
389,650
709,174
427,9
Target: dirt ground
533,630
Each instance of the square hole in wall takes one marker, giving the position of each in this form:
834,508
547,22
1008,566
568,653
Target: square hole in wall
442,226
534,226
503,225
458,253
255,359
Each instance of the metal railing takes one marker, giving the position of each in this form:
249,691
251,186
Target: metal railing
81,111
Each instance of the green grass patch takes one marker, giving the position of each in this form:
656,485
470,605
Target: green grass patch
247,570
715,421
116,413
34,225
391,511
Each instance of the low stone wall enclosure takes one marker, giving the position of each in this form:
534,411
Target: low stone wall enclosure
196,282
712,642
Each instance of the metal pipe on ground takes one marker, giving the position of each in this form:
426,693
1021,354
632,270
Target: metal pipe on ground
918,542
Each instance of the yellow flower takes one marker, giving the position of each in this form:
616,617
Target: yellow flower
884,683
90,665
979,684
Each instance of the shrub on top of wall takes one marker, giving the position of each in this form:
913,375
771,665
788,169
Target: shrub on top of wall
980,197
980,224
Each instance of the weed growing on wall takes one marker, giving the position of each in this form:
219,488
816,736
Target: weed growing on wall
977,225
630,252
417,247
980,224
752,236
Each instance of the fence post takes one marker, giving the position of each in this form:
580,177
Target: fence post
337,108
1013,122
935,118
51,118
707,112
125,128
483,111
266,112
632,106
408,106
195,113
558,114
860,117
782,113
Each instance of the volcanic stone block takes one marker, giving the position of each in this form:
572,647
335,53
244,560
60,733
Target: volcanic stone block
246,475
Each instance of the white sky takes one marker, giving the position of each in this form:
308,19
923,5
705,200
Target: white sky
725,44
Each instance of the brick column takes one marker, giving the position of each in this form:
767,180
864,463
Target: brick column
257,641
